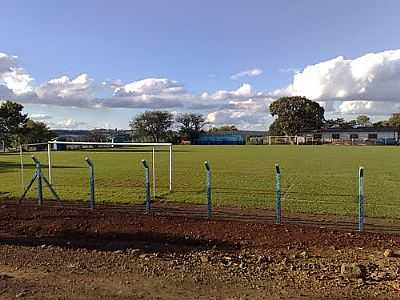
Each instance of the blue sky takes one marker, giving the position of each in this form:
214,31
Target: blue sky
183,56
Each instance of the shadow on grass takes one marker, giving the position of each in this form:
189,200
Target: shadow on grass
12,166
120,150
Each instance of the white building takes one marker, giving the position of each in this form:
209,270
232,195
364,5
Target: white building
360,135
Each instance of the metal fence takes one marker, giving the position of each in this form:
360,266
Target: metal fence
210,193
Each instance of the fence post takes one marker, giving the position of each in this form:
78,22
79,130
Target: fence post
153,166
361,199
92,197
209,200
39,180
147,185
278,205
22,168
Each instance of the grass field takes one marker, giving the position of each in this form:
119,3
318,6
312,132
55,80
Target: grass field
315,179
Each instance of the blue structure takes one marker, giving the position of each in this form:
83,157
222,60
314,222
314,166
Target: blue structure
234,137
221,138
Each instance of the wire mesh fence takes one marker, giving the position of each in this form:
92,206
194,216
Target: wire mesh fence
324,196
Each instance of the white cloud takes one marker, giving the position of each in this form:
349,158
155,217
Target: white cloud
142,101
13,79
242,119
7,62
371,77
18,81
371,108
67,124
249,73
40,117
63,91
250,105
244,90
150,86
368,84
147,93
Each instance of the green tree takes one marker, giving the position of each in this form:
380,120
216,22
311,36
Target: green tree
36,132
190,125
223,128
98,135
154,124
340,123
12,122
172,136
296,114
363,120
275,129
381,124
394,121
335,123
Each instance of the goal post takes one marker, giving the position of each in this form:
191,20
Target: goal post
284,140
51,145
112,144
166,159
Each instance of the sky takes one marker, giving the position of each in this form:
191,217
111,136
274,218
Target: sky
97,64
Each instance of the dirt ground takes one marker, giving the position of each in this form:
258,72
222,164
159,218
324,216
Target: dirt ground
119,252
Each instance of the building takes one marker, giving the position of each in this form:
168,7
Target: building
234,137
359,135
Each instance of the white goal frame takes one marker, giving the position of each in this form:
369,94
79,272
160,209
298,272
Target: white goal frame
294,138
112,144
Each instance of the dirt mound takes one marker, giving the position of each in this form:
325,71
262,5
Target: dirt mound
121,252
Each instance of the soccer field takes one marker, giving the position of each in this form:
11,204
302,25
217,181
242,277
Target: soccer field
315,179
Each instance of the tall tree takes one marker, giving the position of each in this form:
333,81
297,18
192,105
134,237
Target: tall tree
394,121
154,124
190,125
275,129
364,121
12,122
296,114
36,132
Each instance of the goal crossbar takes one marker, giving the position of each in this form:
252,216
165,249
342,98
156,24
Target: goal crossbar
153,145
110,143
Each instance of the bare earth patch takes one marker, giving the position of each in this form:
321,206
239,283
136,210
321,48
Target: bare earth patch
122,253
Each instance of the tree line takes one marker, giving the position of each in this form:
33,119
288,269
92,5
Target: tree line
17,128
294,115
160,126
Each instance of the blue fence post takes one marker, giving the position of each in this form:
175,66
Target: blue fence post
278,205
92,197
39,180
147,185
209,200
361,198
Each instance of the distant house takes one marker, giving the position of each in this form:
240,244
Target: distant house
234,137
360,135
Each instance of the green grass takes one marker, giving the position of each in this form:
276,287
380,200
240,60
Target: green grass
318,179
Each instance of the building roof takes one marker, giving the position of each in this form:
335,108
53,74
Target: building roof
357,129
